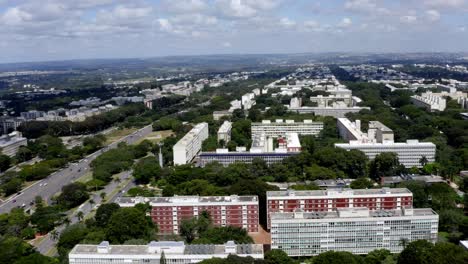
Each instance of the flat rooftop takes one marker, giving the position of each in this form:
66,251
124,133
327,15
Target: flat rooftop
191,134
169,247
338,192
354,213
195,200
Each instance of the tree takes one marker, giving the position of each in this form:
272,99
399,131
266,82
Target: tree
361,183
104,213
333,257
188,229
377,256
417,252
448,253
73,194
102,195
36,258
277,256
54,234
220,235
13,248
423,161
71,236
5,162
80,215
128,223
146,169
385,164
315,172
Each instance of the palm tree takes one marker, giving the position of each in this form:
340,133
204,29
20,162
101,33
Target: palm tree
423,161
102,195
91,202
66,221
80,215
54,235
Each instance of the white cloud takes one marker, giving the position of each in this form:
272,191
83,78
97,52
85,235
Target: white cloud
345,22
409,19
445,3
361,5
433,15
165,25
15,16
287,23
236,8
186,6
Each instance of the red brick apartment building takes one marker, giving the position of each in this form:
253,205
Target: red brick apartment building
329,200
168,212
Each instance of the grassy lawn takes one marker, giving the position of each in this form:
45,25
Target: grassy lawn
157,136
85,178
118,134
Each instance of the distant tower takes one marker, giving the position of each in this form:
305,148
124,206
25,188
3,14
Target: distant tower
161,163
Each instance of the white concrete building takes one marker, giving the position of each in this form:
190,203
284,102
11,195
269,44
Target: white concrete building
429,101
329,200
9,144
409,152
380,139
173,252
281,127
355,230
224,132
188,147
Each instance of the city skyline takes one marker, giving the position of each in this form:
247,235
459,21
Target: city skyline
54,30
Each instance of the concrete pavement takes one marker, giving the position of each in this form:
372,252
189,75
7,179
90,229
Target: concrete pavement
53,184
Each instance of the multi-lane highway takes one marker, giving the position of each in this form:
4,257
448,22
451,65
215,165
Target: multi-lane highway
53,184
47,243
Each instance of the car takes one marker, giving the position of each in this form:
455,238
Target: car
23,205
14,200
45,184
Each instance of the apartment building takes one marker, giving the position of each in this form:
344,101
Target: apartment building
429,101
229,157
355,230
224,132
10,143
329,200
409,152
173,251
189,146
281,127
379,139
168,212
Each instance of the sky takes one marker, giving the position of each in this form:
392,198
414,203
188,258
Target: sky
38,30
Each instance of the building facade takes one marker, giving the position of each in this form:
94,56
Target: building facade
281,128
9,144
355,230
168,212
380,139
224,132
227,158
173,252
329,200
429,101
409,153
189,146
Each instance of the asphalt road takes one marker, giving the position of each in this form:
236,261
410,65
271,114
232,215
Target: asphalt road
53,184
48,242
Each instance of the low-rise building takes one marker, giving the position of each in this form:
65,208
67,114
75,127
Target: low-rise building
188,147
380,139
355,230
429,101
225,157
10,143
329,200
281,127
152,253
224,132
168,212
